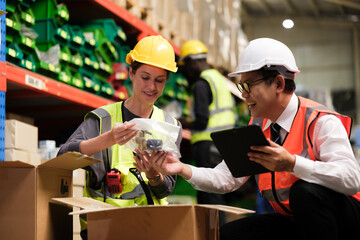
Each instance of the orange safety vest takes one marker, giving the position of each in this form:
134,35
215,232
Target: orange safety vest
275,186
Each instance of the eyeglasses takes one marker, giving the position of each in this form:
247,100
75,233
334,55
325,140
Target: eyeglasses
246,86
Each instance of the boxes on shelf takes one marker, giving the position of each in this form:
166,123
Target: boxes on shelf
47,149
21,118
36,215
13,154
20,135
176,222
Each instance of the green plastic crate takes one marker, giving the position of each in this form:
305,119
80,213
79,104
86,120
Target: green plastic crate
91,84
77,80
44,9
107,90
26,16
65,75
104,48
77,39
26,44
50,34
122,50
12,28
14,53
29,63
90,65
112,31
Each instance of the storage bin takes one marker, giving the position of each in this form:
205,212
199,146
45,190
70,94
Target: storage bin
44,9
50,34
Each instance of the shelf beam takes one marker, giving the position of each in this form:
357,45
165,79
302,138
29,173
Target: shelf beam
42,84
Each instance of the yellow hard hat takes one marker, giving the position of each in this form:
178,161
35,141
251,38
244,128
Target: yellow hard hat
194,49
155,51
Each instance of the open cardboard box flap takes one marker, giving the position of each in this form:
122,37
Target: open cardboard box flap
69,161
89,205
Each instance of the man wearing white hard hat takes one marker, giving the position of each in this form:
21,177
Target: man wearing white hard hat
314,179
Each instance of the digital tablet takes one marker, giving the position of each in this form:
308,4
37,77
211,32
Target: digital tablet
234,144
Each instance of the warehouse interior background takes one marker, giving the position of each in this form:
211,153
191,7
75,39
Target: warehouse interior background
54,97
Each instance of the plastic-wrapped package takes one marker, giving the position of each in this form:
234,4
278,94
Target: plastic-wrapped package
154,135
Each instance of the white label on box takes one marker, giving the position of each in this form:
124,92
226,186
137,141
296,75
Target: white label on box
34,82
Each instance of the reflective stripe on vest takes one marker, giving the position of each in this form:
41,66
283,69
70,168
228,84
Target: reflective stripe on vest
221,109
297,142
121,158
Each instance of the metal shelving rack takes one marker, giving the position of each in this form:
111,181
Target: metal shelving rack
50,102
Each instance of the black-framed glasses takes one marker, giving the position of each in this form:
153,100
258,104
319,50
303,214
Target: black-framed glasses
246,86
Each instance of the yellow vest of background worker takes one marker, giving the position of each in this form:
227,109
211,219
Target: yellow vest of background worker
221,108
122,159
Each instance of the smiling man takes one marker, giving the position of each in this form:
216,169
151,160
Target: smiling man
314,181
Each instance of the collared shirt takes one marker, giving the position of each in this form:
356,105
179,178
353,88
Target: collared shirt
336,167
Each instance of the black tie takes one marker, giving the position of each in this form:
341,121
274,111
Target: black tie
275,133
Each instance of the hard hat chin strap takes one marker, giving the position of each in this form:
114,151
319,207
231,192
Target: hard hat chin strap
282,70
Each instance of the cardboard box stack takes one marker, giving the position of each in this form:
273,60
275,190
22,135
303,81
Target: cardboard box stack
21,140
26,208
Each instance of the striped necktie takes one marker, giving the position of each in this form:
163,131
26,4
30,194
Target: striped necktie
275,133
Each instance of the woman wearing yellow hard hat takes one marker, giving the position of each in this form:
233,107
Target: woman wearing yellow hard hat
151,62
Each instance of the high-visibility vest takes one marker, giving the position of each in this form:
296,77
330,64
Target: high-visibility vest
297,142
222,115
122,159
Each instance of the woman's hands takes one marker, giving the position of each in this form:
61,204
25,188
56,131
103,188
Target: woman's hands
122,134
118,135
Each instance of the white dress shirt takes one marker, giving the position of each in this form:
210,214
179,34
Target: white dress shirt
336,167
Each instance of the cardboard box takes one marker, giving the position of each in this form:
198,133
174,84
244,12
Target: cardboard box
12,154
21,118
175,222
79,177
21,136
26,211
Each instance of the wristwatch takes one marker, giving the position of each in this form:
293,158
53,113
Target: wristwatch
155,179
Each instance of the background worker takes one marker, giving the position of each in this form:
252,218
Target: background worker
212,109
151,62
314,181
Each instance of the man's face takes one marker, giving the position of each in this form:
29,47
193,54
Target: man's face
190,70
261,99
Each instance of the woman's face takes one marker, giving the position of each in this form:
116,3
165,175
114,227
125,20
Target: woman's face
148,83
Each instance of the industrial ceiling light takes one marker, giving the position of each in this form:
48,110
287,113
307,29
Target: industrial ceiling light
288,23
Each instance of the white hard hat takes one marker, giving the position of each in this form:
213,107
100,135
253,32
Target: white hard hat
270,53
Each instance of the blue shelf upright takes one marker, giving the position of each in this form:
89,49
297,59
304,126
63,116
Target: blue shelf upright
2,78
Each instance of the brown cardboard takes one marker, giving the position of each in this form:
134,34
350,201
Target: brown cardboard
21,136
27,190
176,222
13,154
79,177
21,118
